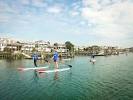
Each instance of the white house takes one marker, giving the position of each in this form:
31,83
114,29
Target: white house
2,45
7,43
42,46
62,48
27,47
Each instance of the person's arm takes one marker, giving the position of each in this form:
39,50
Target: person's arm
53,56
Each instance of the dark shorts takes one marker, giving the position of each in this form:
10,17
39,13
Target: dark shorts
55,60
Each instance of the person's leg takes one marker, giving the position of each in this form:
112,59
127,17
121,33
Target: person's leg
56,64
35,63
48,61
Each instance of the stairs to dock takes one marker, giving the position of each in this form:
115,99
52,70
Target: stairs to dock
26,55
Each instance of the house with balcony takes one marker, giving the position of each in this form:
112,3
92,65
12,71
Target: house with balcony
61,49
27,47
42,46
9,45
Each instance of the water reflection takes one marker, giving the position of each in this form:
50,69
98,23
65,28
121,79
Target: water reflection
35,76
56,77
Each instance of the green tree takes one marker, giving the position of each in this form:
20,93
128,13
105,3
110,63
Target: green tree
69,46
33,49
56,44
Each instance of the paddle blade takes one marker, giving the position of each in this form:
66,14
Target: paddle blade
20,69
70,66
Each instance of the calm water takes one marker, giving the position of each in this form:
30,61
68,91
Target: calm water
111,78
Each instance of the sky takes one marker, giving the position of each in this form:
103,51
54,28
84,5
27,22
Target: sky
83,22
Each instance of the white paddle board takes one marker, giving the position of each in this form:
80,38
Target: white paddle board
25,69
92,60
54,70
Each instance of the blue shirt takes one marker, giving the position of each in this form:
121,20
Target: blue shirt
55,57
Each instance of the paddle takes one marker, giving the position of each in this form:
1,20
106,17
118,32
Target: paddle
65,64
69,65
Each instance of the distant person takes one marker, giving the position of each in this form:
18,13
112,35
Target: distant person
35,58
92,58
55,58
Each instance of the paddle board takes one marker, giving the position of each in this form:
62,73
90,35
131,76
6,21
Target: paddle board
54,70
92,60
25,69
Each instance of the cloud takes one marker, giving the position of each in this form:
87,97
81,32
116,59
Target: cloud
76,5
5,8
111,20
91,4
38,3
54,9
4,19
25,2
75,9
74,13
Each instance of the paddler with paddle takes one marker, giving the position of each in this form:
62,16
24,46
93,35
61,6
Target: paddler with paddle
55,57
35,58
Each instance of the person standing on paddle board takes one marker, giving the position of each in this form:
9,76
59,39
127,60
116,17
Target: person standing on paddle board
35,58
93,59
55,58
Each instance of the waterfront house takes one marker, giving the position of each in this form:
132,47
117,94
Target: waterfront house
131,49
110,50
61,49
27,47
2,45
9,45
42,46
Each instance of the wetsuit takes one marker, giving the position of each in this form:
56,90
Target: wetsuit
35,58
